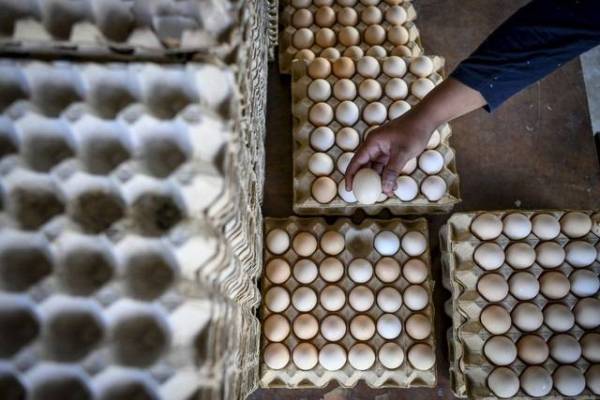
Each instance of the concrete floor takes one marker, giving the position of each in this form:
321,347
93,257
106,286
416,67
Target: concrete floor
535,152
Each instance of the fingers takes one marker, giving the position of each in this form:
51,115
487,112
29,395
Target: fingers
364,155
380,163
391,172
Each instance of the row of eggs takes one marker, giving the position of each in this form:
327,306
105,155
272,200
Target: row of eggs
343,3
356,52
326,16
320,90
368,67
373,35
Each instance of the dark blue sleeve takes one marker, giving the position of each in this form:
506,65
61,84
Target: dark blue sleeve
536,40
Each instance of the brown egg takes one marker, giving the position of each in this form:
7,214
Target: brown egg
322,3
319,68
375,34
397,35
331,53
325,37
396,15
324,189
349,36
305,54
303,38
320,114
347,16
371,15
401,51
325,16
344,67
302,18
301,3
354,52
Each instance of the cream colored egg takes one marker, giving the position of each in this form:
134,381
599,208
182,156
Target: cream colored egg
371,15
558,317
304,244
370,2
319,68
401,51
303,38
277,270
362,327
360,270
305,356
554,285
584,283
415,271
305,326
489,256
331,53
276,327
354,52
516,226
486,226
347,113
533,349
322,138
302,18
319,90
416,297
277,299
396,89
344,89
325,16
492,287
347,139
389,299
434,140
406,188
276,356
569,380
347,196
343,67
396,15
520,255
361,356
500,350
414,243
320,164
590,346
305,54
394,67
421,356
368,131
421,66
304,299
389,326
564,348
361,298
332,243
368,67
575,224
434,188
587,313
550,254
278,241
375,113
536,381
331,269
503,382
332,357
580,254
397,109
431,162
374,34
387,269
386,243
391,355
320,114
324,189
495,319
325,37
349,36
305,271
418,326
545,226
398,35
593,378
332,298
333,328
377,51
524,285
370,90
367,186
343,161
421,87
527,317
347,16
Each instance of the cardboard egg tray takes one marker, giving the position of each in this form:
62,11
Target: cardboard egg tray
305,204
287,51
469,367
359,243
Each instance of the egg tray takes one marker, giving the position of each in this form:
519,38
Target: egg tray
273,26
288,53
305,204
469,367
359,239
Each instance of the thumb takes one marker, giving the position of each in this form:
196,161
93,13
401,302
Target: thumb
391,172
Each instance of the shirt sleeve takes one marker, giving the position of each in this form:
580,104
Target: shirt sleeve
533,42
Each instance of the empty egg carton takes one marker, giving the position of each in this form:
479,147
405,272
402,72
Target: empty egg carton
461,256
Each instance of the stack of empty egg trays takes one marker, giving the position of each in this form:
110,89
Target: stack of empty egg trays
330,28
524,293
329,340
322,140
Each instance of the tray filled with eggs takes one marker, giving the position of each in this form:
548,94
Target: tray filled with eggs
332,28
347,302
335,106
525,303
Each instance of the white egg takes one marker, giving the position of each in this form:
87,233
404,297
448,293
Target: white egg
527,317
332,357
277,299
304,244
575,224
347,196
516,226
333,328
524,285
536,381
361,356
305,326
416,297
580,253
396,15
421,87
370,90
406,188
332,298
418,326
564,348
331,269
503,382
303,38
305,271
389,326
322,138
332,243
277,270
489,256
389,299
361,298
493,287
371,15
320,164
319,90
584,283
593,378
347,139
550,254
344,89
367,186
276,327
278,241
276,356
500,350
394,67
569,380
421,356
431,162
343,161
396,89
391,355
554,285
558,317
414,243
347,113
323,189
305,356
486,226
360,270
421,66
362,327
495,319
545,226
320,114
387,243
415,271
587,313
368,67
590,346
375,113
304,299
533,349
433,187
520,255
434,140
398,108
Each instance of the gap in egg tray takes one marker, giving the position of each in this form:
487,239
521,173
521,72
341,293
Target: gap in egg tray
469,366
358,244
419,181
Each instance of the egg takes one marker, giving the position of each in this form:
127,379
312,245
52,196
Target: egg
503,382
394,67
361,356
368,131
360,270
322,3
584,283
493,287
277,299
396,15
533,349
396,89
278,241
305,326
305,271
516,226
431,162
414,243
325,16
575,224
333,328
324,189
347,138
305,356
368,67
398,35
489,256
389,299
416,297
569,380
495,319
277,270
374,34
343,67
500,350
590,346
332,243
276,356
421,356
558,317
347,196
300,3
550,254
322,138
304,244
347,16
520,255
554,285
406,188
418,326
349,36
276,327
587,313
371,15
320,114
362,327
302,18
347,113
524,285
374,113
421,66
331,53
421,87
353,52
397,109
320,164
319,68
303,38
536,381
401,51
486,226
545,226
434,188
366,186
580,254
391,355
387,269
387,243
370,90
361,298
593,378
343,161
415,271
527,317
305,54
389,326
344,89
325,37
304,299
319,90
564,348
332,298
331,269
377,51
332,357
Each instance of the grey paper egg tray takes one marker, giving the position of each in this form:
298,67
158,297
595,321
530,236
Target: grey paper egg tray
469,367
